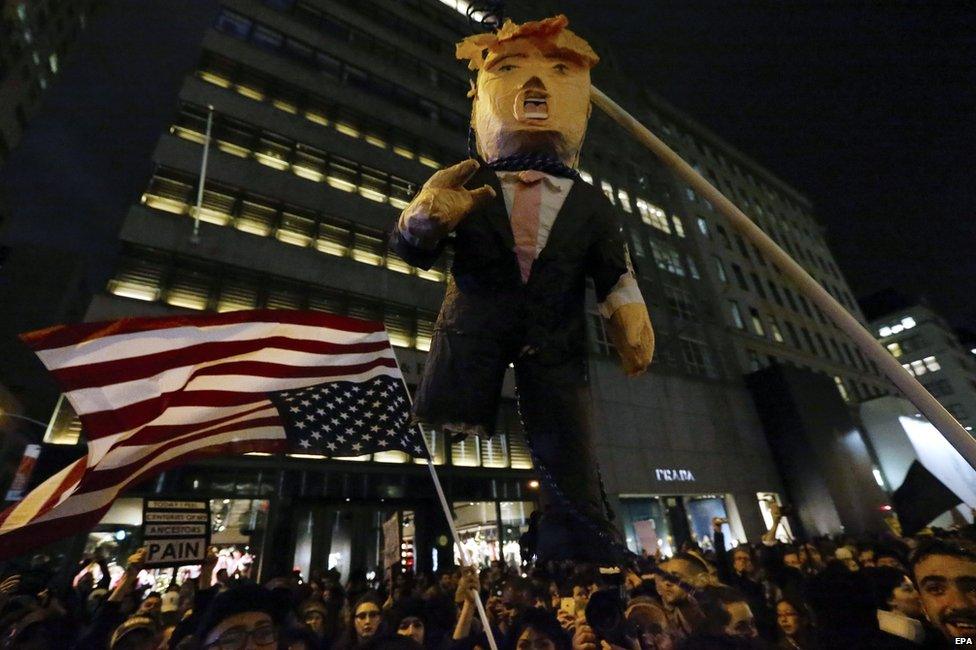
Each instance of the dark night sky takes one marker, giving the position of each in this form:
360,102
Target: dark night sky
866,108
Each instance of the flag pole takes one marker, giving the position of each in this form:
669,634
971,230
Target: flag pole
195,237
465,560
947,425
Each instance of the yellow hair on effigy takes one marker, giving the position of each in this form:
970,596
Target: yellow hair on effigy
550,35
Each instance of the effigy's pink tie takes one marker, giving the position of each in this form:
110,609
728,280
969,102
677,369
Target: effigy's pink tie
525,218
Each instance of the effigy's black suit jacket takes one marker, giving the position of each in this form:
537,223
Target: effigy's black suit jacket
489,317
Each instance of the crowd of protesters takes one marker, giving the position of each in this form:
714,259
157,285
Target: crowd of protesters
823,593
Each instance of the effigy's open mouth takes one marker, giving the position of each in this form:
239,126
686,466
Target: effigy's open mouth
535,105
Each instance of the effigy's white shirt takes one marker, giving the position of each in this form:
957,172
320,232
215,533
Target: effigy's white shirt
554,191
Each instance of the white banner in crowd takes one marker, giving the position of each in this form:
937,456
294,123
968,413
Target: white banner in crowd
941,459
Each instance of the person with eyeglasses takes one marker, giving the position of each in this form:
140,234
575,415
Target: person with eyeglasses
241,618
366,622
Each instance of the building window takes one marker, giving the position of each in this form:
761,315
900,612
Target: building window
957,411
823,345
841,388
696,357
608,191
719,269
791,332
724,235
740,277
774,330
624,199
789,299
940,388
808,339
681,304
894,349
757,324
652,215
600,341
757,283
677,225
667,258
233,23
736,314
703,227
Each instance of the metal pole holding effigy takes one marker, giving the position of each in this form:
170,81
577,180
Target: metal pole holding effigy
946,424
465,560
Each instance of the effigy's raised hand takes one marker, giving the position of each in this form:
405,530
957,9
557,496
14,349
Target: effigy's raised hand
442,203
631,332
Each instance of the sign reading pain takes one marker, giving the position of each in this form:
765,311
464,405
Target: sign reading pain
175,532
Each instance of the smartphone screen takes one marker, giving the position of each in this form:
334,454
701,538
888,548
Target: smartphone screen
568,605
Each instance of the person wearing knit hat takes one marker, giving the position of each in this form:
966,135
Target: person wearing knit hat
413,620
136,633
247,612
321,618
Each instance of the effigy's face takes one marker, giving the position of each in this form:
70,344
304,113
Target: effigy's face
528,101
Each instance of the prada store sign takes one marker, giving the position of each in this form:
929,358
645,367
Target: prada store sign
674,475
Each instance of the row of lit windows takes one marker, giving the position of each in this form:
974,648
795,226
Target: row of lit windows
922,366
338,70
905,323
841,353
283,154
506,449
321,21
649,213
256,86
224,205
152,276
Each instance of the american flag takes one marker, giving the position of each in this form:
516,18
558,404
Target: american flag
153,393
344,418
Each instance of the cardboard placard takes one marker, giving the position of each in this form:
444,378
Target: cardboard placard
27,463
175,532
391,541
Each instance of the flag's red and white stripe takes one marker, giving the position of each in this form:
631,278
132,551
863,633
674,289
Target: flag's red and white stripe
153,393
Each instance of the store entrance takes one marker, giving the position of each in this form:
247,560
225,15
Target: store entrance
662,524
366,540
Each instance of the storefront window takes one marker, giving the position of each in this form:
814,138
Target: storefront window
646,526
237,527
514,524
477,525
701,511
435,442
494,452
464,453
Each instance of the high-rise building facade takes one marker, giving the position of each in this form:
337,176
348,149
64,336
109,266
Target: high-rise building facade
34,41
929,348
326,118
